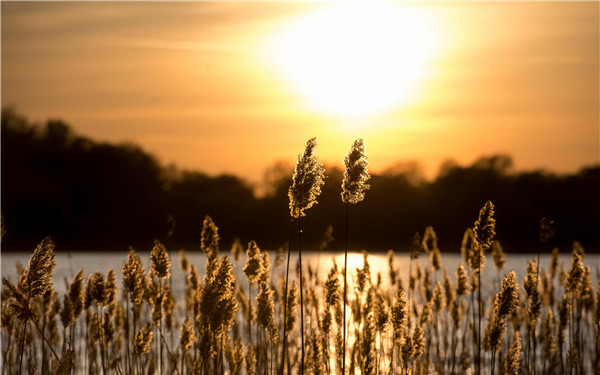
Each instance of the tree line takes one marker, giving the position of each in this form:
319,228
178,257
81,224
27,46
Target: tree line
91,195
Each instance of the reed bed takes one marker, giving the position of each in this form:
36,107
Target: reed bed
426,325
424,320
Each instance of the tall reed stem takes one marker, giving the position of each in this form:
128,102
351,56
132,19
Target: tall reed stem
23,335
301,297
285,297
345,289
479,316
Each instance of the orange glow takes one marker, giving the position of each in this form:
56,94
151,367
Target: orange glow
357,59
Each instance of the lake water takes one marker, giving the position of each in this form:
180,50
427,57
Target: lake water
68,264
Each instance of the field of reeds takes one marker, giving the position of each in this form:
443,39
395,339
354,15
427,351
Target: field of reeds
441,321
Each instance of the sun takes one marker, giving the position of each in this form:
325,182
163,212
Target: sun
358,58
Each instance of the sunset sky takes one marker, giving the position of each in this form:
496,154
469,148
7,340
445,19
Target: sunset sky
232,87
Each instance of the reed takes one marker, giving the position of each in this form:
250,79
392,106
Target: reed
380,327
354,185
307,181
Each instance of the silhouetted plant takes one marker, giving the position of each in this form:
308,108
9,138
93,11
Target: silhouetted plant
484,231
306,187
354,185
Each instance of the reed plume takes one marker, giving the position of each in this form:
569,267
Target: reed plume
266,309
160,260
134,277
512,362
209,243
354,185
307,181
143,340
35,281
484,231
253,271
234,352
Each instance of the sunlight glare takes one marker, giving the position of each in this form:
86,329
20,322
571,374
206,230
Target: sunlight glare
357,59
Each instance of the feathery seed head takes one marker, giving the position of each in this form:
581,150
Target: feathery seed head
209,240
470,251
143,339
463,286
95,287
438,297
416,246
266,308
484,228
217,299
188,336
134,279
250,360
160,260
400,315
356,174
512,362
306,181
292,304
507,298
266,267
66,314
425,314
575,274
332,288
17,303
418,342
41,265
531,278
429,240
254,265
448,288
494,331
112,289
76,294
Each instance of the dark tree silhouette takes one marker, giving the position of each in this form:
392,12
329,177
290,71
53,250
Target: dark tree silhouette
93,195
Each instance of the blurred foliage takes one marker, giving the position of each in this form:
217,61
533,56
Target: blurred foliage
93,195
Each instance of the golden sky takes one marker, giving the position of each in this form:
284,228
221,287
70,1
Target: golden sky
231,87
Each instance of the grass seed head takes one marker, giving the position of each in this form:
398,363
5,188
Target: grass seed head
250,360
512,362
332,288
209,243
77,294
307,181
95,288
484,228
134,277
160,260
188,336
254,264
469,251
143,340
507,299
356,174
41,265
416,246
576,271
